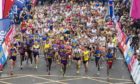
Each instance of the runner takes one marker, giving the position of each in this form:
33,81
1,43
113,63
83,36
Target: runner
13,57
21,50
97,58
28,51
64,58
109,57
77,57
86,56
49,58
36,48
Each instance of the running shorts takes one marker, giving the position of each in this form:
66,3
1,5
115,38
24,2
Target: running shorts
36,54
77,58
13,58
84,62
64,61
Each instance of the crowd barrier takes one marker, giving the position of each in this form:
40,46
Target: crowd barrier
128,52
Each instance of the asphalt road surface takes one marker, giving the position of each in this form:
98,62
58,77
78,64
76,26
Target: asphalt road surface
119,74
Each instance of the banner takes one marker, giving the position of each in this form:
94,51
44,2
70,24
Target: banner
121,38
128,52
135,9
4,27
9,38
1,12
111,8
129,55
3,3
7,7
122,44
20,3
119,32
2,58
138,77
132,62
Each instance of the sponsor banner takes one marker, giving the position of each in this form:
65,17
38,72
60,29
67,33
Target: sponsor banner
135,75
132,62
1,12
129,55
20,3
137,78
121,37
122,45
2,58
9,37
119,32
7,7
4,27
111,8
5,50
135,9
3,3
134,68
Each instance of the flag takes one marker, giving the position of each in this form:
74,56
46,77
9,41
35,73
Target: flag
111,8
135,9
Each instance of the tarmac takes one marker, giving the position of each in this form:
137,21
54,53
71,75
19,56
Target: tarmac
119,74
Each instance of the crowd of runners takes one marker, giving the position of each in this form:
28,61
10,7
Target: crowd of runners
64,33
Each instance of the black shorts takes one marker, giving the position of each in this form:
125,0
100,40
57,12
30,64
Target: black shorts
13,58
22,56
84,62
49,60
64,62
77,58
36,54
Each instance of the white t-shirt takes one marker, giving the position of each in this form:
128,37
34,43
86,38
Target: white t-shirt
110,45
102,40
94,31
89,24
93,39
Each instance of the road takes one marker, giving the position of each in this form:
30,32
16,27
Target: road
119,74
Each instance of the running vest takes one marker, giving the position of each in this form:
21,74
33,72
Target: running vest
36,48
86,55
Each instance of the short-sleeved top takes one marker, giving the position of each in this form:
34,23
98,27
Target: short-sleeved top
97,53
47,46
109,56
13,52
77,52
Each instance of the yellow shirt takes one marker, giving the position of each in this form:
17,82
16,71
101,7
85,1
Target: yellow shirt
86,55
114,40
36,46
47,46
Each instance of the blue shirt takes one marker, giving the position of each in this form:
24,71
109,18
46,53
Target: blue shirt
109,55
97,52
44,38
